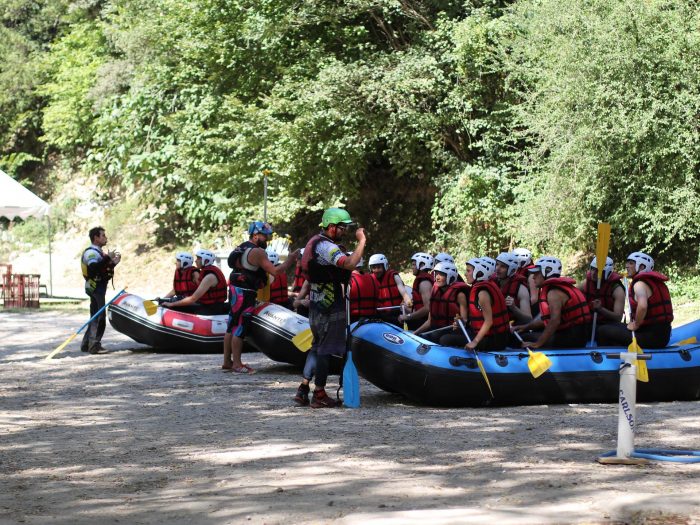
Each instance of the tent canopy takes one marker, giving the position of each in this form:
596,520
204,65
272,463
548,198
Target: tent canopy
16,201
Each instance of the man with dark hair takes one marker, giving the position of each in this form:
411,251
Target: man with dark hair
98,268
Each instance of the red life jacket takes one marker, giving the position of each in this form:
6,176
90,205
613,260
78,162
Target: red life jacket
659,307
278,289
499,310
575,311
363,295
523,272
511,285
605,294
183,283
388,291
417,297
443,303
216,294
298,278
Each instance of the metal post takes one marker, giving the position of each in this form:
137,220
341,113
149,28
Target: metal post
50,259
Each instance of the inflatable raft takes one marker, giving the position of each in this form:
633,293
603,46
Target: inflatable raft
427,373
167,329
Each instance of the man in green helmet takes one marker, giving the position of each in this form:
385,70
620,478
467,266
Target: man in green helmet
327,268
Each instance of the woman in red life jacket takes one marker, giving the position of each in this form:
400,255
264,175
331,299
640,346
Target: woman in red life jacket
392,291
186,278
650,304
608,298
209,298
300,301
448,299
565,317
421,265
513,287
279,294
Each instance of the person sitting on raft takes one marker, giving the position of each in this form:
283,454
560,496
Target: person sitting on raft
299,302
608,298
364,292
524,257
650,305
513,287
210,296
279,293
447,300
186,278
421,265
564,312
392,291
446,257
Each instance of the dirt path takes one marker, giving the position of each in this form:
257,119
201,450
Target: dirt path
137,437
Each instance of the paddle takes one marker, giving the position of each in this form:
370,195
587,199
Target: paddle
601,254
303,340
150,307
538,363
436,330
403,312
478,361
642,370
351,381
65,343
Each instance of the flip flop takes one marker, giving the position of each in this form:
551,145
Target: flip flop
243,369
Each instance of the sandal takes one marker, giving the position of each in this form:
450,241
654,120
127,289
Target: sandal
243,369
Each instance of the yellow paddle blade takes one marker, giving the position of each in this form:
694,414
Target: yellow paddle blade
602,246
303,340
483,373
61,347
642,371
689,341
405,326
538,363
150,307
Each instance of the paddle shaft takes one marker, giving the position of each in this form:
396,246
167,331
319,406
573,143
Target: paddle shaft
65,343
476,355
442,329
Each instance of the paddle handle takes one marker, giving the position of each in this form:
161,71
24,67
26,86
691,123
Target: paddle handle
464,330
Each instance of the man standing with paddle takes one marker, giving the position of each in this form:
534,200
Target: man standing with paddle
327,268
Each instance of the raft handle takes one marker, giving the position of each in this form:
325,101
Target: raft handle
685,355
501,360
597,357
469,362
423,349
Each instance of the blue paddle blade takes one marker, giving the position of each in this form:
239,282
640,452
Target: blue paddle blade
351,384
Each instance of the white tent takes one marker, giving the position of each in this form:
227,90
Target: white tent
16,201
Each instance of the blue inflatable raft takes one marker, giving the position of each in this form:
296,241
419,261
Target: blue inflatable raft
427,373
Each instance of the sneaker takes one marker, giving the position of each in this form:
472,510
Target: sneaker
321,400
97,349
302,396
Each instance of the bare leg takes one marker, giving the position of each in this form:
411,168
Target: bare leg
236,349
227,350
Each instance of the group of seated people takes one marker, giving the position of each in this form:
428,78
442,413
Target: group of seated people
506,301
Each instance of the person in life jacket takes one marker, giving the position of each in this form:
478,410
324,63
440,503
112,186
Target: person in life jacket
392,291
607,298
565,317
279,294
209,298
524,257
446,257
186,278
650,305
298,294
422,265
363,293
513,287
488,320
98,269
448,299
250,267
327,268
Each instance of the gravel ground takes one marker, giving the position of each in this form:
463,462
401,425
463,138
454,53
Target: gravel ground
133,436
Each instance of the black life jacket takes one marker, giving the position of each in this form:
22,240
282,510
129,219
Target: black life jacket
659,307
241,276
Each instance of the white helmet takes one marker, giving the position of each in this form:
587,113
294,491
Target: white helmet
607,269
301,251
359,264
449,269
510,261
424,261
641,258
273,256
185,259
482,268
489,262
379,258
208,257
523,255
443,257
547,266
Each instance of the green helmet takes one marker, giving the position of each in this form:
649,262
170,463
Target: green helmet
335,216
